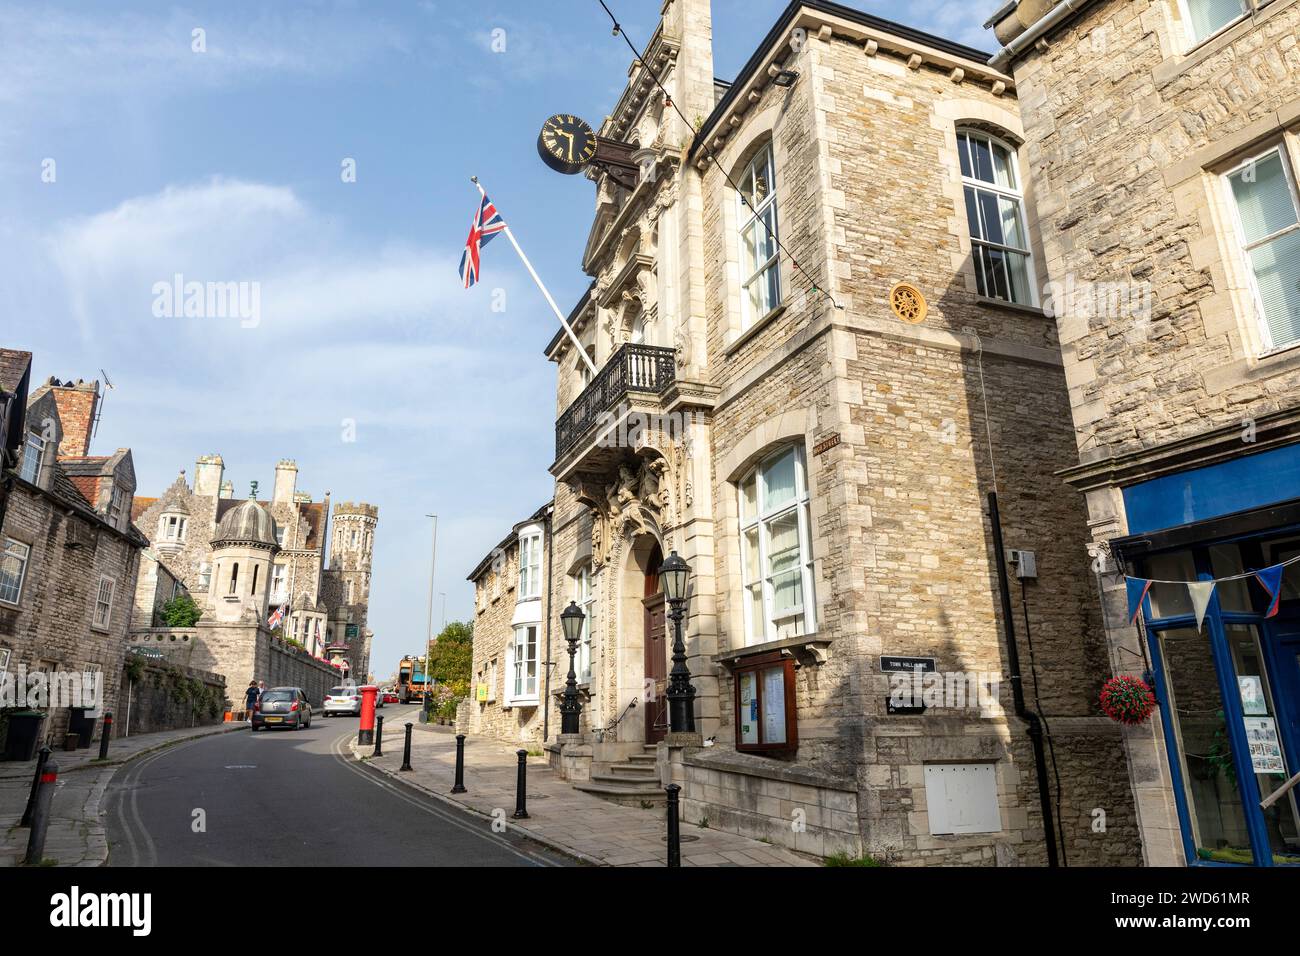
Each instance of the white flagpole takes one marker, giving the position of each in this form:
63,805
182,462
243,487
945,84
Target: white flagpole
577,343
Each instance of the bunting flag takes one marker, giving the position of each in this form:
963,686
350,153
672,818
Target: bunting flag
1201,592
1270,580
1137,592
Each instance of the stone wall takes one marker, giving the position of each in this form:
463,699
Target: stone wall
154,702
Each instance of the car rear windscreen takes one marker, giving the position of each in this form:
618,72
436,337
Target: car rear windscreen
341,692
278,695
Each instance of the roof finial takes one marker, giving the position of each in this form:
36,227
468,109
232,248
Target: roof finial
253,491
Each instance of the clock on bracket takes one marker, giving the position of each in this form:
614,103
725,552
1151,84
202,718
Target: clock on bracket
566,144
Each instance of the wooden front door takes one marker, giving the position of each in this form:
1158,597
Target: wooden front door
656,670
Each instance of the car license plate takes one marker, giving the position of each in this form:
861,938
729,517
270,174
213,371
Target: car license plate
274,720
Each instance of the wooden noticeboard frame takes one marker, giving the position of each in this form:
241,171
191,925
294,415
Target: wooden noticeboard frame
757,664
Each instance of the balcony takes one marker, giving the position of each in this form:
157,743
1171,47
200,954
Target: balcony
635,372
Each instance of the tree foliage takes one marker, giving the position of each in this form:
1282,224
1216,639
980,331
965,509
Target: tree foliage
181,611
452,658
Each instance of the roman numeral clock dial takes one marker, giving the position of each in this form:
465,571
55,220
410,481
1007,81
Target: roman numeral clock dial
566,144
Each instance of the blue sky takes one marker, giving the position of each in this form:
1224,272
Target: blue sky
225,166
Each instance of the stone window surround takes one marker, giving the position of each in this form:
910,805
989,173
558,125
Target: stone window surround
1181,54
1012,145
95,602
530,533
1199,190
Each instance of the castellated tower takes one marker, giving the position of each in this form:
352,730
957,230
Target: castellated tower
351,550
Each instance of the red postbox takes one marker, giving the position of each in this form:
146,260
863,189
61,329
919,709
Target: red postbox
368,695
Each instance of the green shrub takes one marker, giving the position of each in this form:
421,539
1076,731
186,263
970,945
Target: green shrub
181,611
843,859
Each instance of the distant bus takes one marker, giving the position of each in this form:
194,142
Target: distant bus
410,679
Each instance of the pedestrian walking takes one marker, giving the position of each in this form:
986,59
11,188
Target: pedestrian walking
250,698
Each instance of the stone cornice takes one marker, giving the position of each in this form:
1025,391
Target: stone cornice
1194,451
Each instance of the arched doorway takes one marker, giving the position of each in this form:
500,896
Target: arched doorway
656,651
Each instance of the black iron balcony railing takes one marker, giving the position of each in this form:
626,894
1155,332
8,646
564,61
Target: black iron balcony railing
633,368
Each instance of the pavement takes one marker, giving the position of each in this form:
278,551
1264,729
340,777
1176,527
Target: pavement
76,834
577,824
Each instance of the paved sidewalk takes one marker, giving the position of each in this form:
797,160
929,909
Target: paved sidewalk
578,824
76,835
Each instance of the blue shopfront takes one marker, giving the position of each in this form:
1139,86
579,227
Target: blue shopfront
1225,661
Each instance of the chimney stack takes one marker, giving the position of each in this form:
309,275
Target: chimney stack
77,404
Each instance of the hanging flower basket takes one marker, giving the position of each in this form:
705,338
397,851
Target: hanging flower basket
1127,700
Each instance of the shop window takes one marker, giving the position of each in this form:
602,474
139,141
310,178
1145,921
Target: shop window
962,798
765,705
995,215
1267,217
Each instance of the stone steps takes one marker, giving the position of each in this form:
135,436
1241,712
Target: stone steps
628,793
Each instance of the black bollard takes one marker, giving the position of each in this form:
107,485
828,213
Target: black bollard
674,827
379,736
460,765
41,815
41,759
105,732
406,754
521,787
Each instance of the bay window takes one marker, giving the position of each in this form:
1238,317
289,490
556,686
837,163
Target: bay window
530,566
1263,193
523,665
995,215
13,570
776,552
760,267
172,527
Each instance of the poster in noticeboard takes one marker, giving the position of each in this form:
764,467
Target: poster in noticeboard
1265,747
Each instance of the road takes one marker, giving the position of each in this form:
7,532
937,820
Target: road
294,798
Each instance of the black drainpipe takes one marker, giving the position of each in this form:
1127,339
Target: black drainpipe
1017,691
546,609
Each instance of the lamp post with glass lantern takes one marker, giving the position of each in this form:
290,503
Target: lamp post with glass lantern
571,621
674,575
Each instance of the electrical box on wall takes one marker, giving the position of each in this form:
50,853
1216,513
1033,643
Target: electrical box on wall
1025,563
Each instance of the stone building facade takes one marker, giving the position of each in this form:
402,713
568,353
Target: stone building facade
815,428
513,644
1162,141
70,553
325,593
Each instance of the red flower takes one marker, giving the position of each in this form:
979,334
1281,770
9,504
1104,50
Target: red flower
1127,700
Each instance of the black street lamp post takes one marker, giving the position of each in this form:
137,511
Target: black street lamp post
674,574
572,621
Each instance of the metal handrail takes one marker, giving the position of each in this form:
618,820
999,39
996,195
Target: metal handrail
613,725
1279,793
633,368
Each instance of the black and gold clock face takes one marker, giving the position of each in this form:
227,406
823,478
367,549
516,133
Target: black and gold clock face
566,144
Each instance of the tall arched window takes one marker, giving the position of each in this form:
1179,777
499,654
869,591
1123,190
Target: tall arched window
995,213
584,596
252,590
760,268
234,578
776,549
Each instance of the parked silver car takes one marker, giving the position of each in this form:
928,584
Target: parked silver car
343,700
282,707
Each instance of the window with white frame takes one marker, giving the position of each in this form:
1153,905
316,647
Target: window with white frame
995,215
4,661
1202,19
776,552
530,567
760,266
278,588
172,527
1267,218
584,595
13,570
279,536
104,603
33,458
523,665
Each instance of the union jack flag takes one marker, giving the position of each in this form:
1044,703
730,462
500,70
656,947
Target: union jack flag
487,223
275,619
